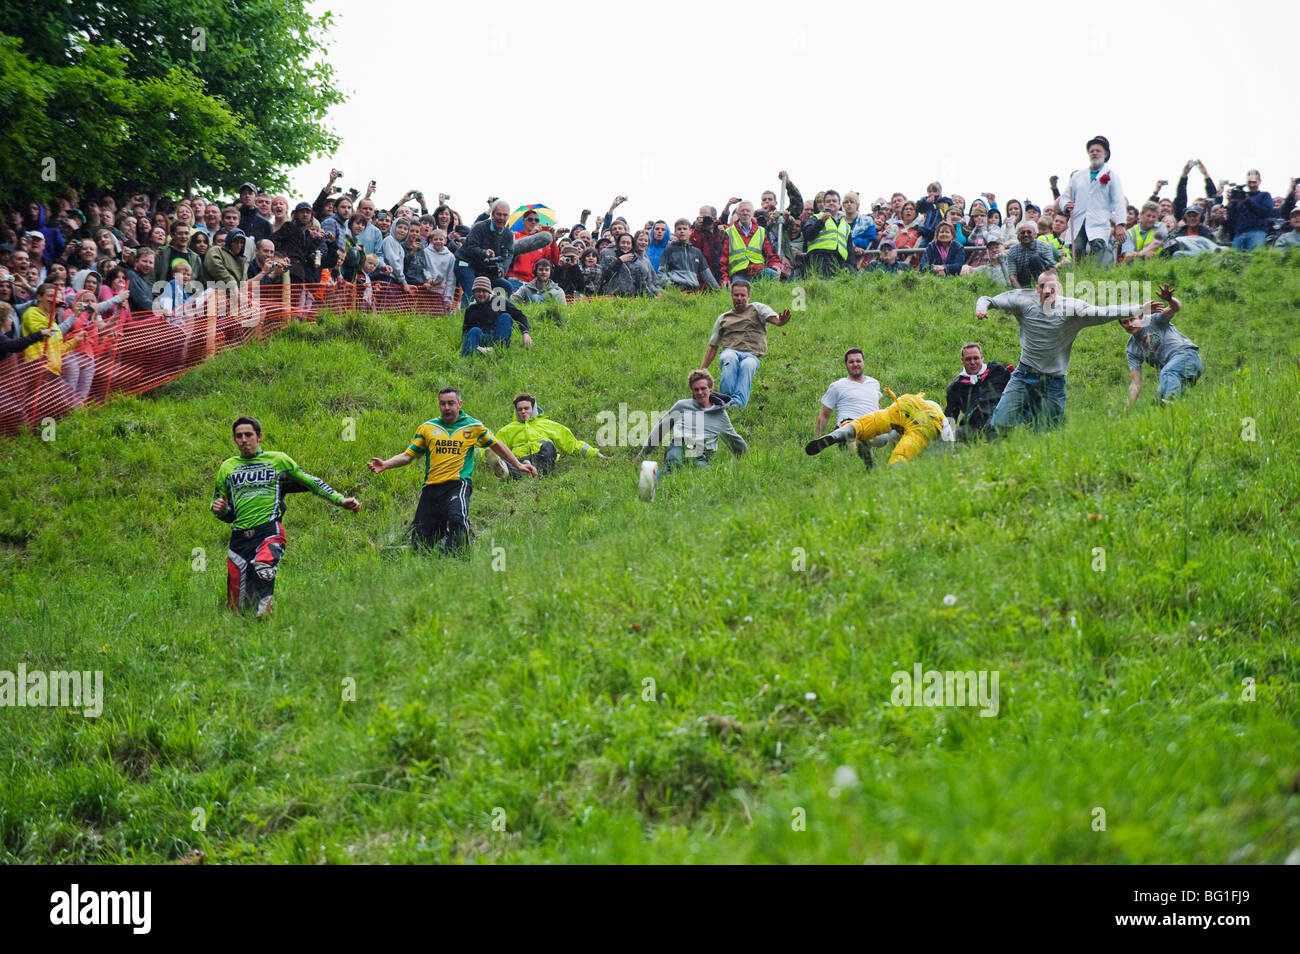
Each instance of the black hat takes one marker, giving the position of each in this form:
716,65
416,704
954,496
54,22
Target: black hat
1101,141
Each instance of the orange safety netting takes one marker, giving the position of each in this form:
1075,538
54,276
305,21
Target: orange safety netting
134,352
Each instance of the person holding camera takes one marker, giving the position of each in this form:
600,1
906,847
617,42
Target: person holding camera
708,238
490,246
827,235
1291,237
568,273
271,269
298,241
1249,213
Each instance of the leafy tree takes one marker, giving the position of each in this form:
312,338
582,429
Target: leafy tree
163,96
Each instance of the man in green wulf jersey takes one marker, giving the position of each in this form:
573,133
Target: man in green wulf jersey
250,494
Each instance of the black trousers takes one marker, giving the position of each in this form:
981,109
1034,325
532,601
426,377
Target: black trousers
543,460
442,517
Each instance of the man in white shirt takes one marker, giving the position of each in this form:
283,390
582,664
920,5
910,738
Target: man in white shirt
852,397
1095,204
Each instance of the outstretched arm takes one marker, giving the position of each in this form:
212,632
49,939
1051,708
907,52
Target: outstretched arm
400,460
1134,384
661,431
709,353
317,486
733,440
508,456
1007,301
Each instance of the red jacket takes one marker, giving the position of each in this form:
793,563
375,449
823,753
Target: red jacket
769,257
711,245
522,266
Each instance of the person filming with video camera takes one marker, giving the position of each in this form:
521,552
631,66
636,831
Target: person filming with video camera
1249,212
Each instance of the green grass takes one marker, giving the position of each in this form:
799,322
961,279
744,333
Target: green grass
521,694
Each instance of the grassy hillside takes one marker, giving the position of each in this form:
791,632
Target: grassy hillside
769,600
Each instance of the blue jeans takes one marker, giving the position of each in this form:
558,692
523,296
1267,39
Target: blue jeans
1031,395
1183,368
675,457
477,336
738,369
1245,241
767,273
465,279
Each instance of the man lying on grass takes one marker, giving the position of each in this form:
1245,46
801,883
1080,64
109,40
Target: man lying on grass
250,494
535,438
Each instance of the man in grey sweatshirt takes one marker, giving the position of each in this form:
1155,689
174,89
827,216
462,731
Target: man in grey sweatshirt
1048,327
693,425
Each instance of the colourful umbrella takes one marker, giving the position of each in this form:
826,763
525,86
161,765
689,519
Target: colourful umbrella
545,216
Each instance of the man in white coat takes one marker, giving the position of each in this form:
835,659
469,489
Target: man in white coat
1095,204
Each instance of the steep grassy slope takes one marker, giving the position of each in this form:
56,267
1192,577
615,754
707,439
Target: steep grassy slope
769,600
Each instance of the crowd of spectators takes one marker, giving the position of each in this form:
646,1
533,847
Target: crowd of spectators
76,272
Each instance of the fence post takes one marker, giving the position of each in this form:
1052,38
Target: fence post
210,334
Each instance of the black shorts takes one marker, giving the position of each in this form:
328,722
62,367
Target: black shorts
251,565
442,516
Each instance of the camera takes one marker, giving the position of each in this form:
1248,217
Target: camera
1236,192
420,196
491,269
706,220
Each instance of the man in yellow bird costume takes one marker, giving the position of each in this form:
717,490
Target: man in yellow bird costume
918,421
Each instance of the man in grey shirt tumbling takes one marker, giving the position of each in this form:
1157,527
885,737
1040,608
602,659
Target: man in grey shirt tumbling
693,426
1164,347
1048,327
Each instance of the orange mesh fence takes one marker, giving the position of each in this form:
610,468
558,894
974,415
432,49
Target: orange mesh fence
134,352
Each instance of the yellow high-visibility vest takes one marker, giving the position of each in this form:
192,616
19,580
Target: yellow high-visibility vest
834,237
1141,241
742,254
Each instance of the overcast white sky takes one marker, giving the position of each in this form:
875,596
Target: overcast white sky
574,102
